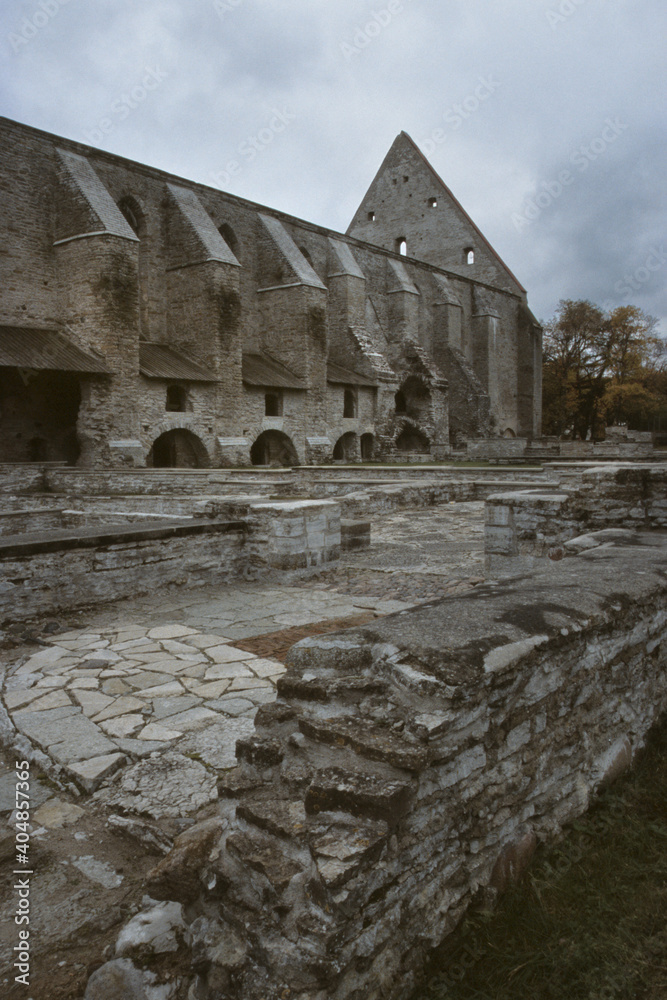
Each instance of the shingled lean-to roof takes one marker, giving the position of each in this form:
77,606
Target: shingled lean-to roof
45,350
261,370
338,375
158,361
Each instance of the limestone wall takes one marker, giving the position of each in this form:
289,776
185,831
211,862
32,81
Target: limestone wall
142,255
42,572
409,764
524,526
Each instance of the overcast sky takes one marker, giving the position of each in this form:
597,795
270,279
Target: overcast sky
545,117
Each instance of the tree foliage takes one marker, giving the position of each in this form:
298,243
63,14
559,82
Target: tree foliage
601,368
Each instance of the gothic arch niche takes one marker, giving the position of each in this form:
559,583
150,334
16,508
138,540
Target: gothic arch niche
413,399
230,238
411,439
136,219
178,449
346,448
134,216
273,448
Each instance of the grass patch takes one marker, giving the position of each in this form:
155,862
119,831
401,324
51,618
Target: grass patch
589,920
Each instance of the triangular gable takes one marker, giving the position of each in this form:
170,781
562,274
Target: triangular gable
437,234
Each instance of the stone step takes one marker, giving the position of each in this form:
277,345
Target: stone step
375,742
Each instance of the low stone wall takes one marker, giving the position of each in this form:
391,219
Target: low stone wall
65,569
123,482
46,572
386,498
409,764
522,527
490,449
23,477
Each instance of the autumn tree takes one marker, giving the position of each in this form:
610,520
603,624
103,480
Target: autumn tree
601,368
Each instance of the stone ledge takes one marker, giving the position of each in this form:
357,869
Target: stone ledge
90,538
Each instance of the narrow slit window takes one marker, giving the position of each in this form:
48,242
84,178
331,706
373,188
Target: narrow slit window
402,246
469,255
371,216
349,404
433,203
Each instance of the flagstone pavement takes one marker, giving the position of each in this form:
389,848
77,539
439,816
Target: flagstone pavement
144,703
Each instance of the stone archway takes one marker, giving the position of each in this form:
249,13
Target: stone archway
273,448
414,400
346,448
411,439
178,449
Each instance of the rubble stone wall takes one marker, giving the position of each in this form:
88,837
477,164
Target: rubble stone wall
522,526
409,764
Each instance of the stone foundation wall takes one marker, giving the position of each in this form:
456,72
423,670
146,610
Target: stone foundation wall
45,572
65,569
521,527
412,763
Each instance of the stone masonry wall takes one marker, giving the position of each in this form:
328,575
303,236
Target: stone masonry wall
44,572
211,275
409,764
521,527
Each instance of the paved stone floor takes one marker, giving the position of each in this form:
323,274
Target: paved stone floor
142,702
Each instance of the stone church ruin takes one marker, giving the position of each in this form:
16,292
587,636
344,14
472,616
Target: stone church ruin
151,321
287,760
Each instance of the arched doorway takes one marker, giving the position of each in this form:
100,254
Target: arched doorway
413,440
178,449
273,448
367,446
346,448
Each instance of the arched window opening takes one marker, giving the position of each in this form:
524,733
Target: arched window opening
136,220
273,404
133,215
469,255
371,216
229,236
399,402
176,399
367,447
402,246
349,403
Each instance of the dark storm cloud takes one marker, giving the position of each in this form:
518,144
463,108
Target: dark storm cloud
294,104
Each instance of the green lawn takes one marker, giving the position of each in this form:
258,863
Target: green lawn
589,920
